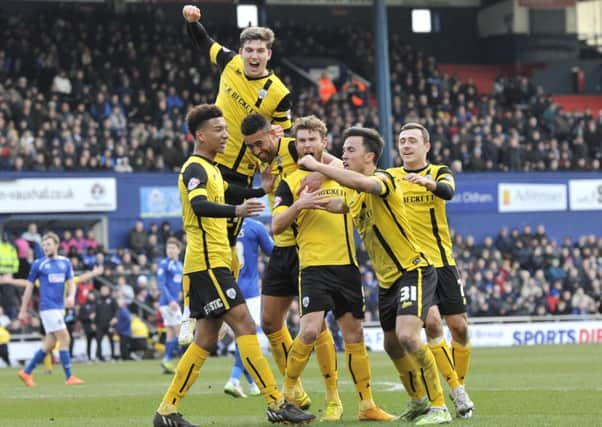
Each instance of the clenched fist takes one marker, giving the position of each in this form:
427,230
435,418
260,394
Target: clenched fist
191,13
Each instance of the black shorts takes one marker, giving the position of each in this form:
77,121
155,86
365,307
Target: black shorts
241,180
212,293
412,294
336,287
281,278
450,291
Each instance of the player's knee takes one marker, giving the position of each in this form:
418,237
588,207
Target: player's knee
433,327
309,335
458,328
392,347
270,324
408,341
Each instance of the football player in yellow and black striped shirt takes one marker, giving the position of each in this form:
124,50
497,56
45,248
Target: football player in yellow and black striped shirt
214,295
246,86
426,188
407,281
329,274
281,280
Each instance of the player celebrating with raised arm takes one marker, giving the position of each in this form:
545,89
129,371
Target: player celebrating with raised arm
281,279
52,271
246,86
426,188
214,295
406,280
329,274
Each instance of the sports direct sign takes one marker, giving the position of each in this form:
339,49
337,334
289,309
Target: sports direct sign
515,334
43,195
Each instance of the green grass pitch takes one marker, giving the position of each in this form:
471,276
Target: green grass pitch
518,386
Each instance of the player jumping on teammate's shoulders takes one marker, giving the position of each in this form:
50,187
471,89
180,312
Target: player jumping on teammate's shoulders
246,86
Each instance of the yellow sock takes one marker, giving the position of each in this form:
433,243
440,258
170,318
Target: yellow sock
235,262
444,361
298,356
187,371
186,293
327,360
430,375
409,373
359,368
257,365
461,355
280,344
48,361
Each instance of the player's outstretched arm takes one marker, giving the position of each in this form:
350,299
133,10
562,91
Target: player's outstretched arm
196,31
345,177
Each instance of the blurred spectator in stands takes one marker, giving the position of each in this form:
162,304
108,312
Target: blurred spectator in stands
91,241
4,337
87,318
124,291
137,238
32,235
124,328
9,266
105,320
154,248
326,88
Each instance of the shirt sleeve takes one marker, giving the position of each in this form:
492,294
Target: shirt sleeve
282,113
283,197
220,55
195,181
387,183
69,271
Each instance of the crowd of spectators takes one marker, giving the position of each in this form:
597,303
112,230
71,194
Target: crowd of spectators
83,89
516,273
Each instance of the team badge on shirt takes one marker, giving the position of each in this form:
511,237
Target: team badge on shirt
231,293
305,302
262,93
193,183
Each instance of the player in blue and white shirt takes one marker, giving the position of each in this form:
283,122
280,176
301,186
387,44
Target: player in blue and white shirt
252,236
53,272
169,279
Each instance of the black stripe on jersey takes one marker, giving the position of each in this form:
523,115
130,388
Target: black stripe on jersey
347,239
285,104
292,150
279,119
205,250
224,57
438,237
402,231
443,170
387,248
265,88
241,154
